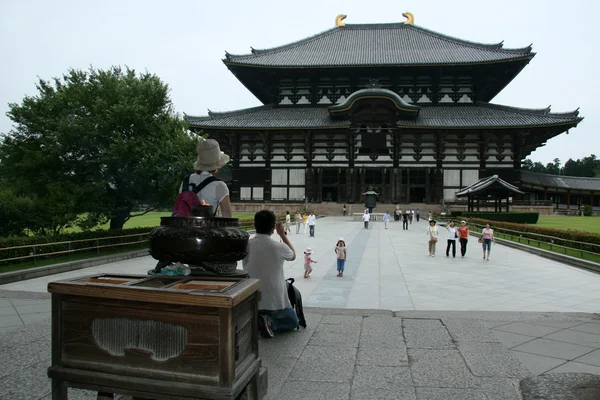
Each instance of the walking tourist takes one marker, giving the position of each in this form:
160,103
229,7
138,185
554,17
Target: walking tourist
340,253
397,213
411,215
452,236
288,222
418,214
366,218
429,216
463,235
487,235
405,220
308,261
212,190
264,261
312,221
305,222
344,210
298,220
386,219
432,237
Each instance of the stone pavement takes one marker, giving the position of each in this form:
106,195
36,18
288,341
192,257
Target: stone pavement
390,269
354,348
376,354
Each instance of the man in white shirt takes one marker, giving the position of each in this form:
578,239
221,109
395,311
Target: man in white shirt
265,262
366,218
312,221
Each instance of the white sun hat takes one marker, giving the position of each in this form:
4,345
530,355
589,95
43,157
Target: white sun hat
210,156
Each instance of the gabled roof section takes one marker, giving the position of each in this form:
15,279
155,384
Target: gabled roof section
394,44
402,107
491,183
467,116
560,181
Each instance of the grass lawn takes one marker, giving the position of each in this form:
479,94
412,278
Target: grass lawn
586,224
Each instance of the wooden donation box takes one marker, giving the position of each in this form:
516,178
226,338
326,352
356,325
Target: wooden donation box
155,337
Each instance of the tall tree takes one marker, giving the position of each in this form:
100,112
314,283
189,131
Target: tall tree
96,144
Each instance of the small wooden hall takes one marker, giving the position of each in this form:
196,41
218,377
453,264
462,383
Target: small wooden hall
489,189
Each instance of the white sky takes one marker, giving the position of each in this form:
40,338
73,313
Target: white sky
183,42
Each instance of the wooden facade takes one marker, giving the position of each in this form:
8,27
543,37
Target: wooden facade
414,127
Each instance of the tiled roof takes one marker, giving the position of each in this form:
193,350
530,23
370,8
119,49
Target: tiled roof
481,185
478,115
560,181
378,44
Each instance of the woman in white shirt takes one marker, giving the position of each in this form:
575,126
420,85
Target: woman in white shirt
452,235
210,159
432,235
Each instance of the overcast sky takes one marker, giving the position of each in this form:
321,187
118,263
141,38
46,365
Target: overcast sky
183,42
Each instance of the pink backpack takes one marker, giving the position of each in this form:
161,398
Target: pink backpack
187,200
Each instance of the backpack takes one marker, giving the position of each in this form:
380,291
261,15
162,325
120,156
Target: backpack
296,302
187,200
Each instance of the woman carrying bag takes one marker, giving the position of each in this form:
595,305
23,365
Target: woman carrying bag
432,235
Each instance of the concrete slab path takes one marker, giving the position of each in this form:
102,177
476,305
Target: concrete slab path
391,269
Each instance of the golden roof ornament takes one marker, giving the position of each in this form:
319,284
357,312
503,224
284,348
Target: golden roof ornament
410,18
339,18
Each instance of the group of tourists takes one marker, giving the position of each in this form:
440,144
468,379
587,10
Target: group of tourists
462,234
303,222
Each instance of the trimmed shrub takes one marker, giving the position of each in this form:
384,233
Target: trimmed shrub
588,211
517,217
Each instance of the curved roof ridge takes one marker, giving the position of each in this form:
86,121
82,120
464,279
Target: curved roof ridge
490,46
308,39
537,111
560,176
487,46
217,114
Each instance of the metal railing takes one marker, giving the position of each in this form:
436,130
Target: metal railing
36,251
537,240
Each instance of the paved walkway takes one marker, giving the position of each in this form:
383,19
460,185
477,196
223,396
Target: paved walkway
390,269
495,335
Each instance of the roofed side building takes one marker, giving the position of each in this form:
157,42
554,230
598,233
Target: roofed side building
396,107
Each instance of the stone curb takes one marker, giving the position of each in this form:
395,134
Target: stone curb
30,273
563,258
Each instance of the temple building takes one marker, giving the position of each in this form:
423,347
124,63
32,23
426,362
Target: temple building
396,107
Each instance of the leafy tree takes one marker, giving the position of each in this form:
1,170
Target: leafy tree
553,167
95,144
534,166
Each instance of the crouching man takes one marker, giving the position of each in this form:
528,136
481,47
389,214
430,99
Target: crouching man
265,262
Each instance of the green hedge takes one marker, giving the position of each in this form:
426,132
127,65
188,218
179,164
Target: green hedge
518,217
557,234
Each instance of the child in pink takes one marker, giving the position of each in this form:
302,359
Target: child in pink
307,262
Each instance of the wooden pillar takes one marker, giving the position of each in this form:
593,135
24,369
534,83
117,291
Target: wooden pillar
568,199
399,185
478,202
408,185
507,204
309,191
319,196
427,185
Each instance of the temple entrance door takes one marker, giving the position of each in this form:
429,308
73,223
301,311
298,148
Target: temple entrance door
329,193
417,195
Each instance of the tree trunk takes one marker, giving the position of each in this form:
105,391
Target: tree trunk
120,218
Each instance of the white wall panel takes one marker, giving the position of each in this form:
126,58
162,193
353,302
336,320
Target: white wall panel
296,193
451,177
257,193
245,193
279,177
450,194
279,193
297,176
469,176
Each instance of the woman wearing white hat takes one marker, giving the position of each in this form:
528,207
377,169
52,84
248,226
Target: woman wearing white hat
210,159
